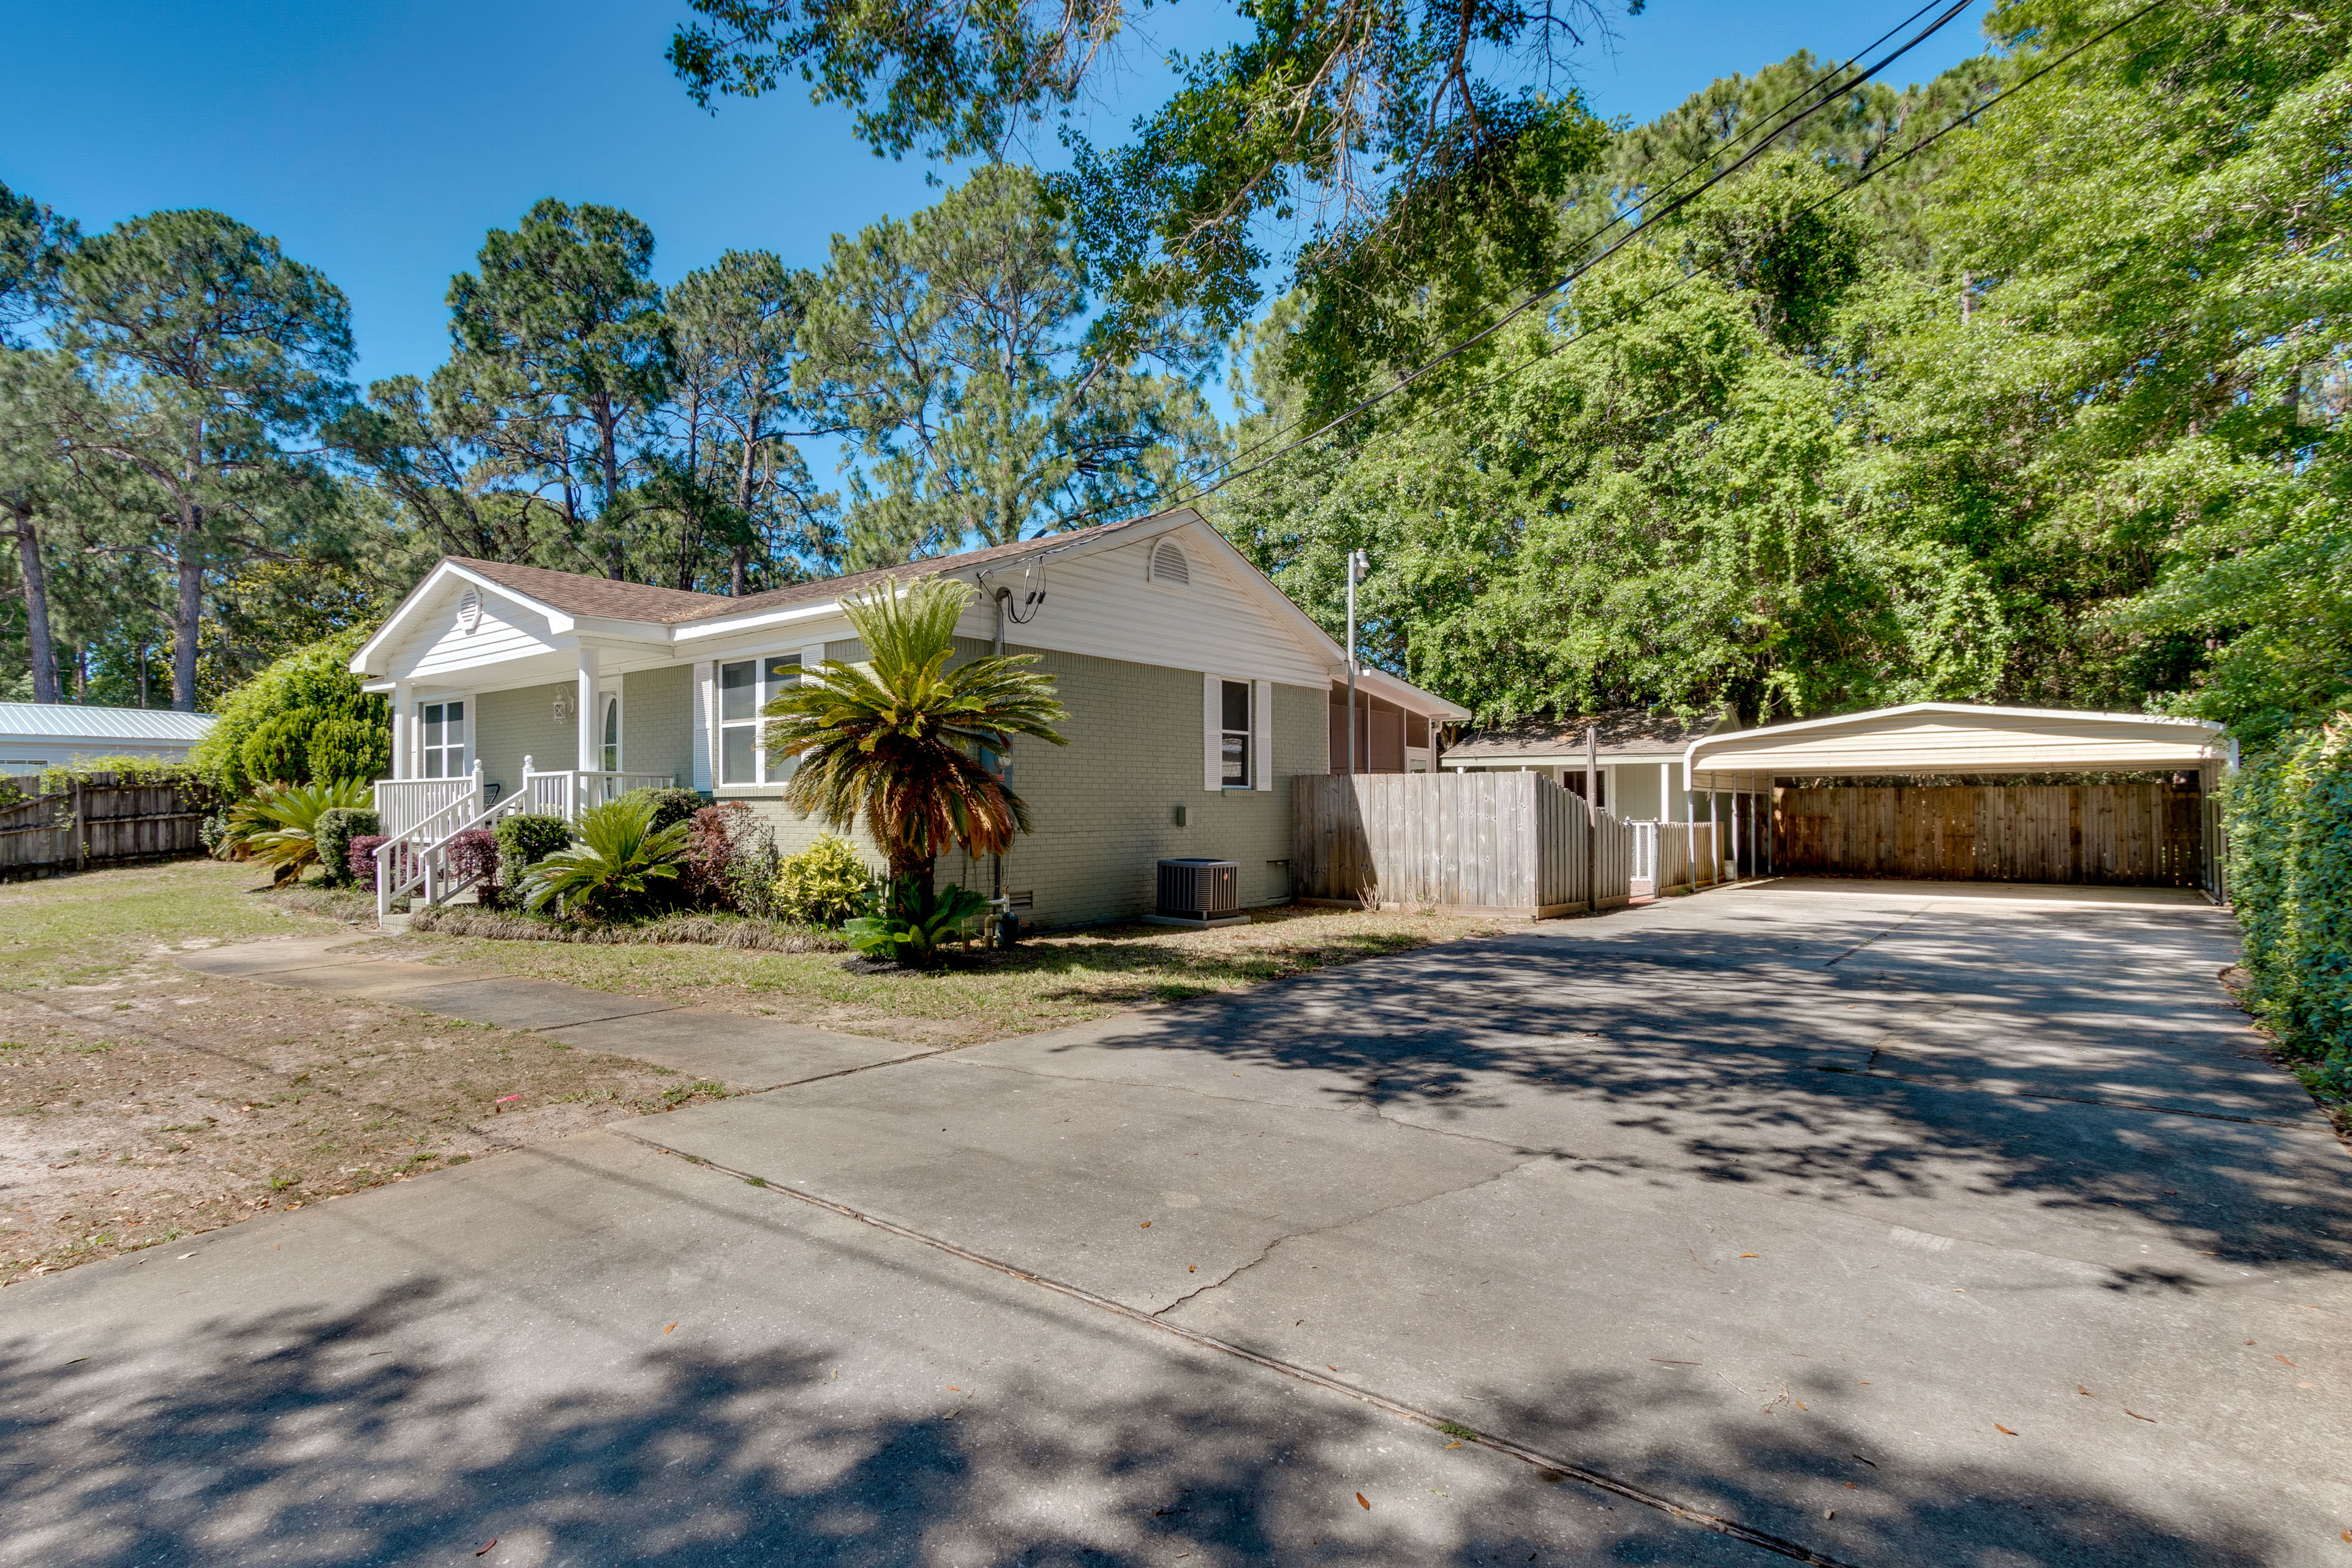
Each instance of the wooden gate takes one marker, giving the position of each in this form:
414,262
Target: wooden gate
97,821
2147,835
1515,843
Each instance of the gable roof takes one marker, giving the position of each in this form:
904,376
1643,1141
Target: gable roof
684,616
577,593
1624,731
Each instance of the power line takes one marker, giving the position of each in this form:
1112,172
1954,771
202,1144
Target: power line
1773,135
1844,191
1204,491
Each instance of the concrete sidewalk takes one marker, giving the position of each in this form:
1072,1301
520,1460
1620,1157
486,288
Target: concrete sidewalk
745,1054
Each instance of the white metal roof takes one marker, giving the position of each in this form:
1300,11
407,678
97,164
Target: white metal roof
1964,738
73,721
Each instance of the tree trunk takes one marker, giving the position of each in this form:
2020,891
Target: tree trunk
36,605
739,557
907,863
187,619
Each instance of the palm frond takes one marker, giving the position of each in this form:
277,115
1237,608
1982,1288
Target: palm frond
897,739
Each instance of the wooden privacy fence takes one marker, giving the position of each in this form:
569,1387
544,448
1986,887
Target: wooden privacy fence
2149,835
1515,843
1688,856
98,821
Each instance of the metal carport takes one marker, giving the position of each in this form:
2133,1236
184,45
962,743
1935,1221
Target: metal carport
1925,790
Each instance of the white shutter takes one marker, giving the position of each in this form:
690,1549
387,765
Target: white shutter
1261,735
810,657
705,731
1212,732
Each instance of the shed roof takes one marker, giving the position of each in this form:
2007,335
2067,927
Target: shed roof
75,721
1963,738
1623,732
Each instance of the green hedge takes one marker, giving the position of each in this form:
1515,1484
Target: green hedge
2290,821
303,718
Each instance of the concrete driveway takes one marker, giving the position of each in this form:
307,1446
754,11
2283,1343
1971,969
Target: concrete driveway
1831,1222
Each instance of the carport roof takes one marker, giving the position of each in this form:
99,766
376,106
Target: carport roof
1963,738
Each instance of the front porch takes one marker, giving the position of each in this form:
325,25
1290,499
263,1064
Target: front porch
418,818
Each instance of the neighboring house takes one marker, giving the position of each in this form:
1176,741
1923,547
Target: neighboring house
1641,756
1196,691
36,735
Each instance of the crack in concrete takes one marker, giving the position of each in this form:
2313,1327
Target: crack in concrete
1401,1203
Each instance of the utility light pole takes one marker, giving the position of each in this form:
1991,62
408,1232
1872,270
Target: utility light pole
1357,564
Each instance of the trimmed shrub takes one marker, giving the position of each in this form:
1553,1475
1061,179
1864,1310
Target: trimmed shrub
334,831
2290,820
266,727
670,807
525,840
360,857
347,749
824,884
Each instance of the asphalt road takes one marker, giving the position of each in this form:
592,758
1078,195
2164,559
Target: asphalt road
1872,1227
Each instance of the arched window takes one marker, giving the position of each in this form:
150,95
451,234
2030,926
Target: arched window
612,764
1169,565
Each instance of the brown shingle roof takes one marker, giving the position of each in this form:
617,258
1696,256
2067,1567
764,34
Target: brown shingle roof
578,594
1623,732
825,588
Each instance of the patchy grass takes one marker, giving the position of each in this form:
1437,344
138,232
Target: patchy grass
64,931
141,1104
1047,982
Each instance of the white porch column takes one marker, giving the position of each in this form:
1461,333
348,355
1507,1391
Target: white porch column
404,727
1665,792
591,731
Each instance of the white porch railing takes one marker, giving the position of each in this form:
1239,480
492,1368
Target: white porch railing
418,818
569,794
404,804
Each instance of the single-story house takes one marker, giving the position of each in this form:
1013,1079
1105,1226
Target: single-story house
1641,754
1196,691
37,735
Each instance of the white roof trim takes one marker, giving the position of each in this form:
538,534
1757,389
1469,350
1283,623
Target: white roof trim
1966,712
397,622
674,635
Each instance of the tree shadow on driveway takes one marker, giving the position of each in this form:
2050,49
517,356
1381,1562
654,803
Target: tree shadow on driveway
294,1436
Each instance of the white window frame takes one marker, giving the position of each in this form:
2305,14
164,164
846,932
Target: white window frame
611,755
767,680
1257,766
464,747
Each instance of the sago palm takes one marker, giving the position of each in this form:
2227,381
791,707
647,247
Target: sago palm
276,823
898,740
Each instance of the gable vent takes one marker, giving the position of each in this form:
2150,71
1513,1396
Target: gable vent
1169,565
469,610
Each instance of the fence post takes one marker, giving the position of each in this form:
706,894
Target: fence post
81,829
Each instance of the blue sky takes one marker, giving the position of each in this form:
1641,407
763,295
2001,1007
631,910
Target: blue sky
379,142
